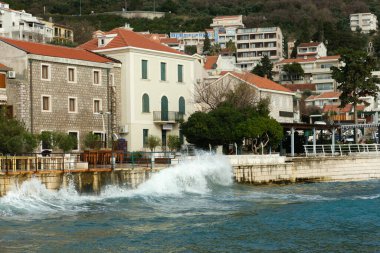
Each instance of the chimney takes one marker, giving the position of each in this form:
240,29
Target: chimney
266,76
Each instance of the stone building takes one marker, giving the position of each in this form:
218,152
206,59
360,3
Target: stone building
62,89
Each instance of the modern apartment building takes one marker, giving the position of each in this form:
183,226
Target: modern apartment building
63,89
22,26
225,27
316,71
157,85
253,43
365,22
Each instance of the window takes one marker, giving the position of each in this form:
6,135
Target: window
163,71
145,103
97,105
71,75
144,69
96,77
145,137
180,73
75,136
181,105
2,81
46,103
45,72
73,105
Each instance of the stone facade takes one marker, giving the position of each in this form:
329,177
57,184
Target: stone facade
26,91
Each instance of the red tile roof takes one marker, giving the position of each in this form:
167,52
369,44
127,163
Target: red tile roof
346,109
128,38
309,44
311,59
300,87
210,61
259,82
169,40
325,95
4,68
56,51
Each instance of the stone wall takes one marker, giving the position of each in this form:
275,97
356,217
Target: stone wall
312,169
84,182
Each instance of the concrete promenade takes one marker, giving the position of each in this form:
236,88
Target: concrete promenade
251,169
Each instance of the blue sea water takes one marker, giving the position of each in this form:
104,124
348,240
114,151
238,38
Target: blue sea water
194,207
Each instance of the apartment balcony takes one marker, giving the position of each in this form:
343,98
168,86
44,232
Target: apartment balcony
165,117
327,80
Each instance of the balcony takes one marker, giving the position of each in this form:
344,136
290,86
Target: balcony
164,117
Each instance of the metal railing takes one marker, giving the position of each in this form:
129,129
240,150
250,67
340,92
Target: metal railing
88,160
167,116
342,149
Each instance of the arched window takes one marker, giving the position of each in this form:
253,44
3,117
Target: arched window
145,103
181,105
164,108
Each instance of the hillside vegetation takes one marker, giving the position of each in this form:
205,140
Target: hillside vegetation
324,20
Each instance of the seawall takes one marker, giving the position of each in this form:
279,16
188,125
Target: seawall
85,181
276,169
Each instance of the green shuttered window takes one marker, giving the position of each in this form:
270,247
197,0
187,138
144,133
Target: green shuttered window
163,71
180,73
144,69
145,103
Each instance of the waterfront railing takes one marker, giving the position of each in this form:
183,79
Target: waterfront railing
342,149
88,160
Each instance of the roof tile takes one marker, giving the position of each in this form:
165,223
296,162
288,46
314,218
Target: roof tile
56,51
260,82
128,38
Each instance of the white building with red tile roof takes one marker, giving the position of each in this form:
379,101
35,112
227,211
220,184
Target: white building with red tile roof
61,89
316,71
157,85
281,99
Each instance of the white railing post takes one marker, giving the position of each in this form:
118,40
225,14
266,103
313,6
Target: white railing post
323,150
349,148
340,150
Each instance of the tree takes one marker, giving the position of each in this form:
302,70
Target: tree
54,140
261,131
206,45
210,96
264,68
376,45
153,142
215,49
190,50
14,137
92,141
174,143
294,71
231,47
355,79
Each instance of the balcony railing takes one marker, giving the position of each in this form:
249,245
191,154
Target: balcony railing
167,116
